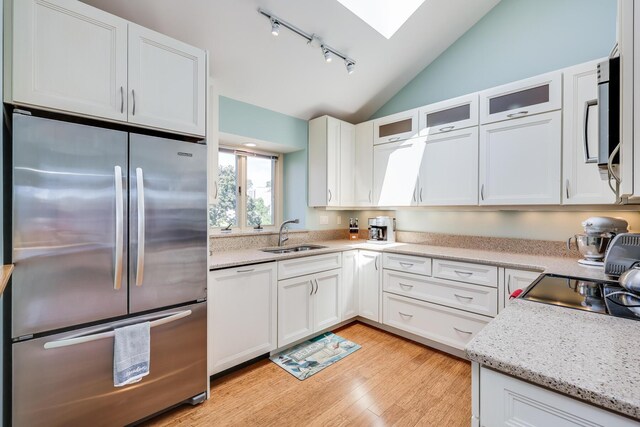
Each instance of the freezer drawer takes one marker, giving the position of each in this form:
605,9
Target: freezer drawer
73,385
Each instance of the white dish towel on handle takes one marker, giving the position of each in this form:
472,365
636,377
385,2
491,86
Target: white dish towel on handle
131,353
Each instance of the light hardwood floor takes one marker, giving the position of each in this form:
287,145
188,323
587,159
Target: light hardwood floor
389,381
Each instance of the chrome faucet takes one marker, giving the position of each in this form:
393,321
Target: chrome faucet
283,238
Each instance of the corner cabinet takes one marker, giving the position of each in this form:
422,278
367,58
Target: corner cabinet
332,156
583,182
520,161
241,314
67,56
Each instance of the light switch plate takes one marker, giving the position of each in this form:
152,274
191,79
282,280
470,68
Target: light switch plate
339,220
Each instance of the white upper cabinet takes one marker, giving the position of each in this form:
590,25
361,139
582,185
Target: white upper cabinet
452,114
364,164
396,127
167,82
583,180
520,161
332,156
449,170
522,98
68,56
395,172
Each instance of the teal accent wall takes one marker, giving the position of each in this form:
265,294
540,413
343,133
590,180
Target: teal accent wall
515,40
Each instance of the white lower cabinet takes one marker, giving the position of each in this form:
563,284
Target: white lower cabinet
241,314
507,401
308,304
349,290
445,325
370,267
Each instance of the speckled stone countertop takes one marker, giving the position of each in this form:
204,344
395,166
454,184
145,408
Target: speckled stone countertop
589,356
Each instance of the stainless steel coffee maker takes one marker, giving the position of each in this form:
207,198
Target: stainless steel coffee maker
382,229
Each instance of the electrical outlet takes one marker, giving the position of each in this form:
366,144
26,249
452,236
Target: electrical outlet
324,220
339,220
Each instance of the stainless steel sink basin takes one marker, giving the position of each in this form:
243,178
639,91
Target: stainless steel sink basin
299,248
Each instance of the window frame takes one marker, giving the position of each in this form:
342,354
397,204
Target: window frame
241,190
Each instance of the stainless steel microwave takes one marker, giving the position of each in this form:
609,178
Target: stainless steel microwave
608,112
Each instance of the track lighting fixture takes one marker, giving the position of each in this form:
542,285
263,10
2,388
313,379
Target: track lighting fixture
275,26
350,66
327,54
312,40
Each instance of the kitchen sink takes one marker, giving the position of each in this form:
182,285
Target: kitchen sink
299,248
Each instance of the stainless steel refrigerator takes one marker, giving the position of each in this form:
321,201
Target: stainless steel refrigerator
109,229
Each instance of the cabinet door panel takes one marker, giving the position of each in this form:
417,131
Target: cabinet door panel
242,314
349,285
295,311
395,172
396,127
369,285
71,57
347,161
364,164
166,82
452,114
584,183
520,161
333,162
326,299
449,170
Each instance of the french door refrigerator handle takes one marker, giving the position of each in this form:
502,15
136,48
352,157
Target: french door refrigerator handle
119,245
141,227
108,334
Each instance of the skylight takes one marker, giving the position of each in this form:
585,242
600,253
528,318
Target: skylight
384,16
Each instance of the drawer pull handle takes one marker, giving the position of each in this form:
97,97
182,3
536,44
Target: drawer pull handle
463,297
248,270
405,314
404,285
463,273
462,332
518,114
406,264
447,128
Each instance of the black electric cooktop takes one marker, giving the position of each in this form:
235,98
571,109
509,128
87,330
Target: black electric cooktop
604,297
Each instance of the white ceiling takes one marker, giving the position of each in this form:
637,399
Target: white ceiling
284,74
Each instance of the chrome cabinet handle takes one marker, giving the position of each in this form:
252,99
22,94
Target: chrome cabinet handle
463,273
121,99
462,332
375,262
248,270
216,186
317,286
405,314
587,107
405,264
141,227
102,335
420,194
482,192
404,285
414,194
566,187
311,283
117,279
133,95
518,114
447,128
329,194
463,297
395,138
509,278
370,201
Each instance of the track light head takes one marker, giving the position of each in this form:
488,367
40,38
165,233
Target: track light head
327,54
275,27
350,65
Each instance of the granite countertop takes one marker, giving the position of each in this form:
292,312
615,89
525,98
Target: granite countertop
589,356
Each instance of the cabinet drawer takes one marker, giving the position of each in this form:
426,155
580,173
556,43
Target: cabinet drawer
452,114
308,265
476,299
523,98
485,275
408,263
396,127
448,326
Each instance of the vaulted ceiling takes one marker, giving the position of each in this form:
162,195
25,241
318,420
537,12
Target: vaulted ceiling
283,73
